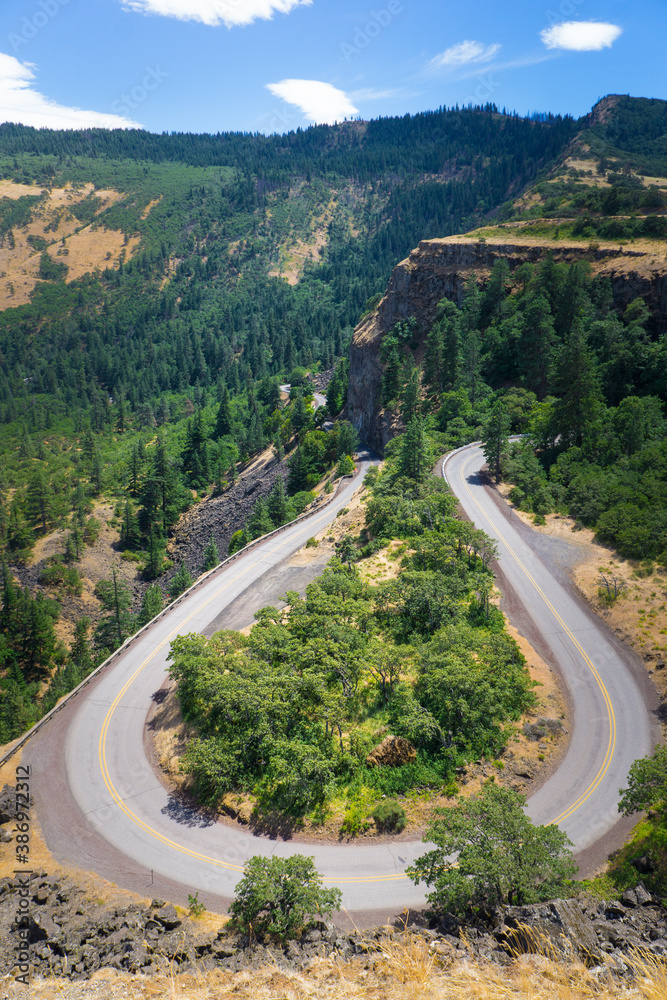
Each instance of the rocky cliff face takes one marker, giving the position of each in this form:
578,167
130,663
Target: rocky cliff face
440,268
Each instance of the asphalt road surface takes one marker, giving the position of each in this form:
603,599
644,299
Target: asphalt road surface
102,807
613,722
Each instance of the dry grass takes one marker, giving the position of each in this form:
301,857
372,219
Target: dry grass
83,248
639,615
404,970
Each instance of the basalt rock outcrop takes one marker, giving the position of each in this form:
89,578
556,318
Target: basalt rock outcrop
440,268
69,935
394,751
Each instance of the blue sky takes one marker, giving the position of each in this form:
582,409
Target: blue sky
275,65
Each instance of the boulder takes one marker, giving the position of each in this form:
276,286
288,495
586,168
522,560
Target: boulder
555,929
392,752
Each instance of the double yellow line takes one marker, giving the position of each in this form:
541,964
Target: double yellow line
156,835
604,767
117,798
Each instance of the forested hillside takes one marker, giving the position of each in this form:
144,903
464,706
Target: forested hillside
165,286
157,289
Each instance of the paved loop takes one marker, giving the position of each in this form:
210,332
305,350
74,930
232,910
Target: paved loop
612,724
119,797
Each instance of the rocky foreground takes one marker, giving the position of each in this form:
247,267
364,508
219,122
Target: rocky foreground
69,935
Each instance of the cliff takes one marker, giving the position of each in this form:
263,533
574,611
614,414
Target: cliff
440,268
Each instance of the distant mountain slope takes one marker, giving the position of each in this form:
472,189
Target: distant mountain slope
258,253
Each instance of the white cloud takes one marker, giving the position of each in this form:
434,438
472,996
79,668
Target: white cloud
214,12
320,102
22,104
581,36
464,53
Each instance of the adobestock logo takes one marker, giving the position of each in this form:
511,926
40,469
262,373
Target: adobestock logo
153,78
31,26
363,36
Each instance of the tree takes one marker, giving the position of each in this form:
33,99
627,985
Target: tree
411,395
647,785
38,500
578,385
278,897
488,853
211,556
155,561
117,621
496,441
181,580
298,472
414,457
130,534
223,423
277,502
151,605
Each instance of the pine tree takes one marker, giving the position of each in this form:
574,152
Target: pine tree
298,473
277,502
151,604
39,499
211,556
223,423
414,456
154,563
577,383
130,534
180,581
117,621
496,440
411,394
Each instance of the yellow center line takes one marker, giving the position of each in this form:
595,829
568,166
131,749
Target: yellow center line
155,834
604,767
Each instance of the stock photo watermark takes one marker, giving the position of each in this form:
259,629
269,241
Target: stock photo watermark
565,9
33,24
364,34
153,78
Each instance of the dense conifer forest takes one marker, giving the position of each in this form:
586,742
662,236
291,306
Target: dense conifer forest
148,381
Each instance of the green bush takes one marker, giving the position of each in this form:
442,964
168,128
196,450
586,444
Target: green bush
355,820
279,897
389,816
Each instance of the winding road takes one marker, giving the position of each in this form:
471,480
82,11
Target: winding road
102,807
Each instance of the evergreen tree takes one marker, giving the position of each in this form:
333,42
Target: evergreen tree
471,365
151,604
155,561
391,377
578,384
130,534
411,394
277,502
414,456
117,621
211,556
39,499
223,423
297,479
180,581
537,344
496,440
259,522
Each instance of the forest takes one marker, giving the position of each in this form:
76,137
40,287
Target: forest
150,382
291,713
542,352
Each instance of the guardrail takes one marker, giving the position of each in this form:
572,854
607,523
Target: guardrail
199,582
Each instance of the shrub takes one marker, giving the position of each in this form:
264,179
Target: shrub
278,897
389,816
355,820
